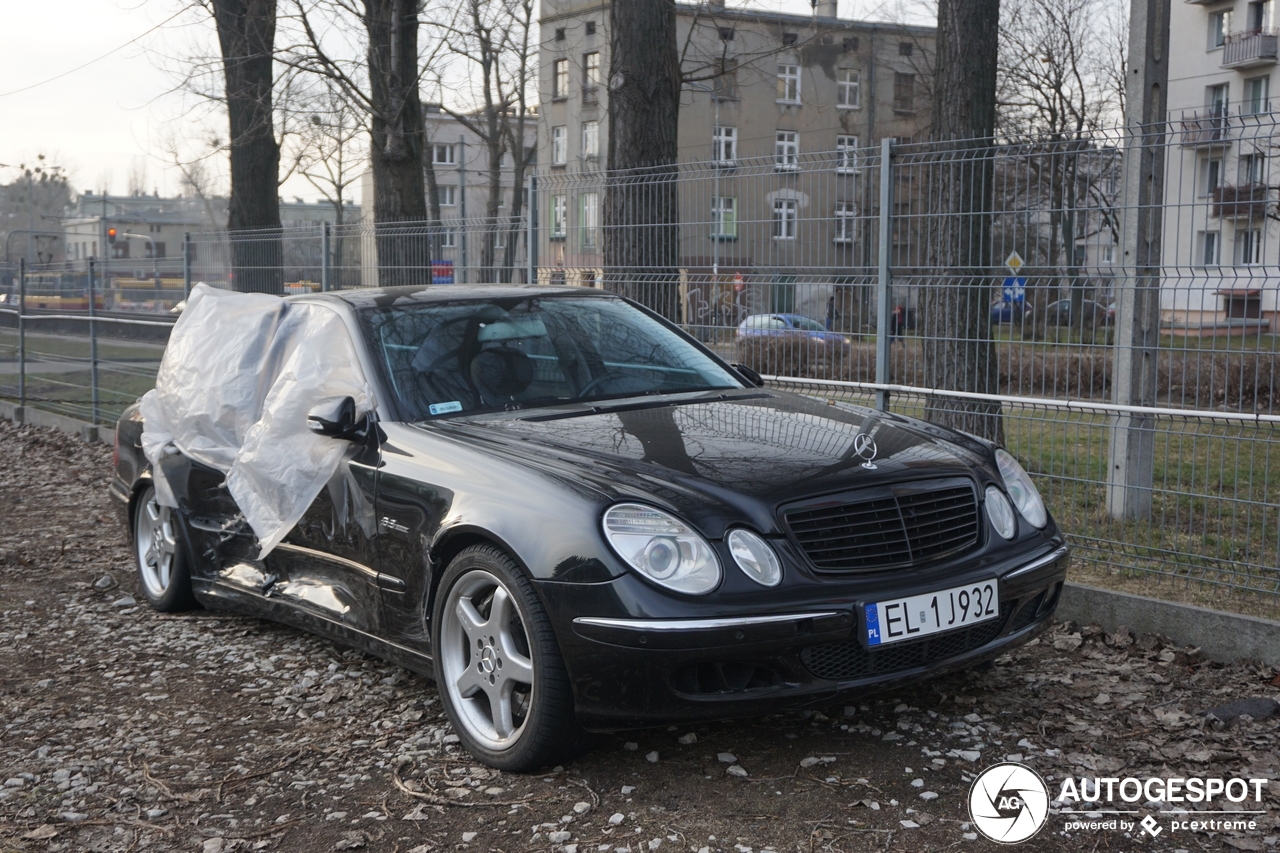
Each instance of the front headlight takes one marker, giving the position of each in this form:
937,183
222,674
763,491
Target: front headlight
1023,492
662,548
1000,513
754,556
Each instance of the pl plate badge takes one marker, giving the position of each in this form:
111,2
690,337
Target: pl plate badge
1009,803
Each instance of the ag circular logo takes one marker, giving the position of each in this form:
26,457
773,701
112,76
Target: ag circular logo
1008,803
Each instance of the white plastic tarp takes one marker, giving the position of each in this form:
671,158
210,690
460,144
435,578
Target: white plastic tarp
240,374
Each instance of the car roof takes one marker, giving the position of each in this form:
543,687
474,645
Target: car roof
380,297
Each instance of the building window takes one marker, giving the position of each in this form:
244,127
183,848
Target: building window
560,78
784,219
590,28
559,33
1256,93
789,38
789,83
1248,248
559,216
1208,248
559,146
1108,254
724,146
590,140
589,220
905,48
448,238
442,155
1260,15
726,33
1219,28
1253,168
849,44
846,155
848,88
724,217
904,92
1211,172
845,213
448,195
591,70
786,151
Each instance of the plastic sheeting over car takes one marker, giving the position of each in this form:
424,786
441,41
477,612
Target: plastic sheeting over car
240,374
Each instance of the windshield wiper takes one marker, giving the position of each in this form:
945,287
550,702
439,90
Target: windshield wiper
641,404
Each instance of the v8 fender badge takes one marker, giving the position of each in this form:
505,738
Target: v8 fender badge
864,447
1009,803
392,524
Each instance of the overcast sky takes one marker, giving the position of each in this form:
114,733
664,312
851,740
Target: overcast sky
118,114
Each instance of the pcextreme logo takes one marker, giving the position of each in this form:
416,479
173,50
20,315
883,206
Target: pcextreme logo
1009,803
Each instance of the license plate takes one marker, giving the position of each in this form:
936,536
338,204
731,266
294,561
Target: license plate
931,613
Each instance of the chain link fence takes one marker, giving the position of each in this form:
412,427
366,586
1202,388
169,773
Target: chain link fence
831,273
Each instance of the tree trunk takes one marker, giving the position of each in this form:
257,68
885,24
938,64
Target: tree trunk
958,352
396,150
641,214
246,36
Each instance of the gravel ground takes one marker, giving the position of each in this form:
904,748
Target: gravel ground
122,729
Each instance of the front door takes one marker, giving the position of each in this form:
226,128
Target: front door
327,566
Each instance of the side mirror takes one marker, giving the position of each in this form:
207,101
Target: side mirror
336,418
748,374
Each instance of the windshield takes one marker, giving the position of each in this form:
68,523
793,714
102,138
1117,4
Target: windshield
442,359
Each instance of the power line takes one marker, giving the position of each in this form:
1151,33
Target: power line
92,61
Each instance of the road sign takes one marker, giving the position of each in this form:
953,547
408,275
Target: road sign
1015,289
1013,262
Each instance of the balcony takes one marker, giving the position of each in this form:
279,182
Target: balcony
1207,127
1246,201
1249,49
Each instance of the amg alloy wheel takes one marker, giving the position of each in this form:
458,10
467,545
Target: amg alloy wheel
162,564
498,665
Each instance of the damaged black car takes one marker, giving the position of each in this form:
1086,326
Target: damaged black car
569,513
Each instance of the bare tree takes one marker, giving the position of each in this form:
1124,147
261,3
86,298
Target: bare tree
641,235
1057,90
958,352
385,86
246,36
493,38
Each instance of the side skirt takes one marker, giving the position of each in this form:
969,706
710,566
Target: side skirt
229,599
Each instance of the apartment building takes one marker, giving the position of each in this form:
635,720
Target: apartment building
777,116
460,160
1221,241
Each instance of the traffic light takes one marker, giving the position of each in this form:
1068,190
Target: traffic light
111,236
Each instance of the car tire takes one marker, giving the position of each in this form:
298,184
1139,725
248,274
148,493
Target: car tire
498,665
163,568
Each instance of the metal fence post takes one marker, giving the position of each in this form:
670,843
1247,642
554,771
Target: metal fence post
324,256
884,339
531,240
461,278
1131,454
22,334
93,346
186,265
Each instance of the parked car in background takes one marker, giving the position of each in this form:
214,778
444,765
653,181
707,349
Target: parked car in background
1092,313
790,327
572,515
1007,312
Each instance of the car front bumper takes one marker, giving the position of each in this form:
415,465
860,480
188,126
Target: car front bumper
637,671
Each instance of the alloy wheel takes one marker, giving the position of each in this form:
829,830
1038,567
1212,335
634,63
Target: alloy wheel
485,657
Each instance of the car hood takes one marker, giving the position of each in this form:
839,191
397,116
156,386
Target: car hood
718,458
